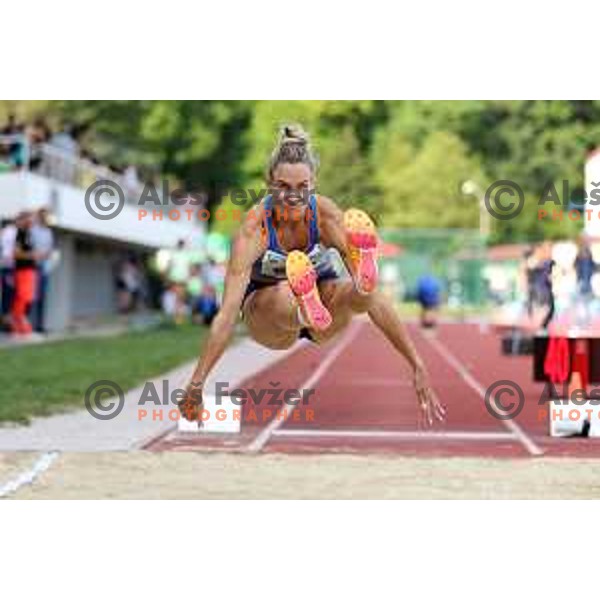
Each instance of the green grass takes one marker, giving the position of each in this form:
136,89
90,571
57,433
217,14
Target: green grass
412,309
48,378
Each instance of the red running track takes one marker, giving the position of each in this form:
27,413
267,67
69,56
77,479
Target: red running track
364,402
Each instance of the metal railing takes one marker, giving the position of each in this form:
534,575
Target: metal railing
18,153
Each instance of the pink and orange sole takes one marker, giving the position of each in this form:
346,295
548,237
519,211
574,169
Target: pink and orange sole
302,277
361,236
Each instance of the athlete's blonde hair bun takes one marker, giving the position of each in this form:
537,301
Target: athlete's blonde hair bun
292,147
293,134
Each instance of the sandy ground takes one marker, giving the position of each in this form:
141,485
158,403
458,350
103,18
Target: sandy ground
174,475
13,463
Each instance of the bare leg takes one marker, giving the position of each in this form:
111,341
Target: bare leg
343,302
271,315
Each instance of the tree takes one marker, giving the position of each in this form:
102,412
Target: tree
422,187
346,176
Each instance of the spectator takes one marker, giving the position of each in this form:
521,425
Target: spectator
208,305
43,241
11,127
14,148
129,285
38,134
529,269
429,293
585,267
131,181
178,269
64,166
194,287
172,303
8,233
545,283
213,274
25,275
65,140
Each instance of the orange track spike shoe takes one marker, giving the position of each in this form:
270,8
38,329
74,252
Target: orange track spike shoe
302,278
361,235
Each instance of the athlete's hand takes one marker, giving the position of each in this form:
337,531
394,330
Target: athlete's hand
191,405
430,408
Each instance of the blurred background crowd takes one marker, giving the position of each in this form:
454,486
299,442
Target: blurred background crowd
183,284
34,145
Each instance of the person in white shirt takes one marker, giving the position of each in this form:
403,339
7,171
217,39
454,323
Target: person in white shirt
8,234
65,140
178,269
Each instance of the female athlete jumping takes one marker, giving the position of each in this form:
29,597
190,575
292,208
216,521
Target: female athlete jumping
282,276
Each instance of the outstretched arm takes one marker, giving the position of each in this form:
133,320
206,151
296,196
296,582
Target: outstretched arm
386,318
246,249
384,315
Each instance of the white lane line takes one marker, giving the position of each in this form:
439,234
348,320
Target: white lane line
41,465
263,437
529,444
382,382
397,435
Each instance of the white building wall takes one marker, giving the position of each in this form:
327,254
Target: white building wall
94,291
24,190
61,284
